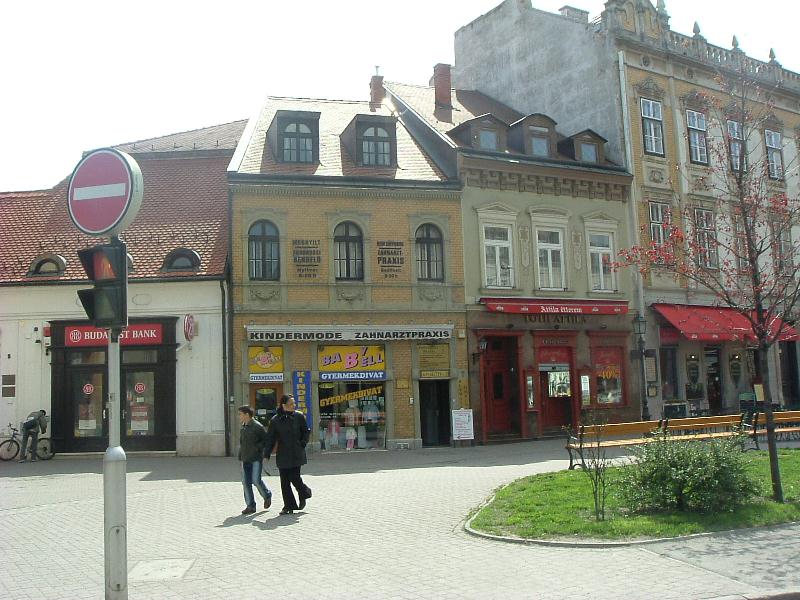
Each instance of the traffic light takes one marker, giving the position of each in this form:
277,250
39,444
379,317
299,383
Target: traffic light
106,304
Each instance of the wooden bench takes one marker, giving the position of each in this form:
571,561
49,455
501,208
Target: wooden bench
613,435
786,423
705,428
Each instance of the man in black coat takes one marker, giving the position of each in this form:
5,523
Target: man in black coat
287,436
252,442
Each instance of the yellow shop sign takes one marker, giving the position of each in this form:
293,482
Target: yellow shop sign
344,359
265,359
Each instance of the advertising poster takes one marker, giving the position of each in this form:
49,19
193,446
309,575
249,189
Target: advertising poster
301,390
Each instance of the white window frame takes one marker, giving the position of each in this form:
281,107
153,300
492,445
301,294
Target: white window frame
610,229
497,244
659,213
736,141
550,248
773,140
698,148
705,237
652,126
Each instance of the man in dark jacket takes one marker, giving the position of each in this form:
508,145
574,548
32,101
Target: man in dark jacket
31,426
287,435
252,438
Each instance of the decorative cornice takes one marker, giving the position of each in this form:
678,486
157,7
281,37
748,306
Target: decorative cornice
330,191
542,184
695,100
650,88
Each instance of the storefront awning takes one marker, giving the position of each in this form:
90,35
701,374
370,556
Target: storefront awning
543,306
715,324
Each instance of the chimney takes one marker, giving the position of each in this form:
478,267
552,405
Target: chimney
442,85
376,91
574,14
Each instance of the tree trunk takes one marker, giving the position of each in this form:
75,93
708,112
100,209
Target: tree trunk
772,448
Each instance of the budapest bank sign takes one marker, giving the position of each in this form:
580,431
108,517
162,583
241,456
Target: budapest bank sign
145,334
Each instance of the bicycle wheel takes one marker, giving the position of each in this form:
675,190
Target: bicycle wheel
45,449
9,450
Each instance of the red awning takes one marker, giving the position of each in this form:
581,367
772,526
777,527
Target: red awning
715,324
542,306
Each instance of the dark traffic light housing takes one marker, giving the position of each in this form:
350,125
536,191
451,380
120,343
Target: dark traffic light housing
106,304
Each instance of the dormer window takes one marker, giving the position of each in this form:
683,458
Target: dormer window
540,141
588,152
376,147
487,139
50,265
182,259
298,143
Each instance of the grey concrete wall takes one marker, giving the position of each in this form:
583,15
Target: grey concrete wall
536,61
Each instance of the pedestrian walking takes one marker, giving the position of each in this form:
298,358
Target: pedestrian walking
35,422
252,443
287,436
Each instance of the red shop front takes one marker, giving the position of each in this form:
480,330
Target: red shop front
80,386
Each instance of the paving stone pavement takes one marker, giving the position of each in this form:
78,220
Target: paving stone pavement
380,525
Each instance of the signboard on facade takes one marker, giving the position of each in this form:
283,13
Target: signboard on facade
351,363
390,258
147,334
463,425
306,256
301,390
362,333
434,361
265,363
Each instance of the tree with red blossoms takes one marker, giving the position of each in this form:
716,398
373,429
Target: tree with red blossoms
732,239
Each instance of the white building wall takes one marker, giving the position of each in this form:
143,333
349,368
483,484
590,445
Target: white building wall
25,310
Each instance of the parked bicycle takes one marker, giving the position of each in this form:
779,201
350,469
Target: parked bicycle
9,449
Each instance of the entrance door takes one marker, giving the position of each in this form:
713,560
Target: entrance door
713,380
556,386
498,384
264,400
139,409
434,412
86,410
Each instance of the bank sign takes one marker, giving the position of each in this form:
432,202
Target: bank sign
360,333
351,363
143,334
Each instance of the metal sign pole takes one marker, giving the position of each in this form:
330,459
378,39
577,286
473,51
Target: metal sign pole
114,485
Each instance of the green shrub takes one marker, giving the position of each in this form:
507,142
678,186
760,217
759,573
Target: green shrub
694,476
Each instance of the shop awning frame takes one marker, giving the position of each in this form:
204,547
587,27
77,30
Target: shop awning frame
715,323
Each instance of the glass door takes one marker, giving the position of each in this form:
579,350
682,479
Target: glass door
87,398
139,405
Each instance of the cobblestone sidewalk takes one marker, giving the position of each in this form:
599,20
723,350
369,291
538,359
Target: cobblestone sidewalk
380,525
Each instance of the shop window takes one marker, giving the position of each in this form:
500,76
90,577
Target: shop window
652,127
87,357
736,147
430,253
352,415
182,259
696,124
668,357
772,140
264,259
498,257
348,252
607,373
147,357
601,255
140,399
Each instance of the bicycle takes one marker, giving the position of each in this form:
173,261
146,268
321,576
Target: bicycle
9,449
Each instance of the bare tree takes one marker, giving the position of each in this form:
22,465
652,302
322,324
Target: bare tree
736,243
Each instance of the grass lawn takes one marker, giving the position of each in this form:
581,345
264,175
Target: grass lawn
559,506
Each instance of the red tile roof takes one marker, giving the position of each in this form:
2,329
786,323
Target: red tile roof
413,163
184,205
217,137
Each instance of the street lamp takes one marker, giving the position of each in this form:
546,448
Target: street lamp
640,328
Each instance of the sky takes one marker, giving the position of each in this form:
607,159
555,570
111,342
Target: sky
84,74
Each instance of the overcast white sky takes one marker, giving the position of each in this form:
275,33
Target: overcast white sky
84,74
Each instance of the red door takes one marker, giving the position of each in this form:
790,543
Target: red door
497,380
556,396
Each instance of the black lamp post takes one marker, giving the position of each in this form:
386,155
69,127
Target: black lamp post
640,328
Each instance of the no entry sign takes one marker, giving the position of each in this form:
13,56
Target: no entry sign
105,192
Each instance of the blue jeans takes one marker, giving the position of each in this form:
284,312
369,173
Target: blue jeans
34,435
251,476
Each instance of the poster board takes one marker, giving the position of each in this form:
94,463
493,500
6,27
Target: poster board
463,425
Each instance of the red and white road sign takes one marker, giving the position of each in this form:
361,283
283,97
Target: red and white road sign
139,388
189,327
88,389
105,192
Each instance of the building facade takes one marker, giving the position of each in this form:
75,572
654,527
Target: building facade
650,91
347,275
173,353
547,318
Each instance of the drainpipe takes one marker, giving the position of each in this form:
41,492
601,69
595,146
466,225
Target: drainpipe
225,381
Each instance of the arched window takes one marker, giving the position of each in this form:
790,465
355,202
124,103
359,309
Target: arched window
48,265
264,257
430,253
375,147
298,143
348,252
182,259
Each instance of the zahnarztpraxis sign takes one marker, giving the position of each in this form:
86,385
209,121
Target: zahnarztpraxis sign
362,333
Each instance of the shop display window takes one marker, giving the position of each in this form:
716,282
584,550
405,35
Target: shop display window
140,400
607,365
87,357
352,415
